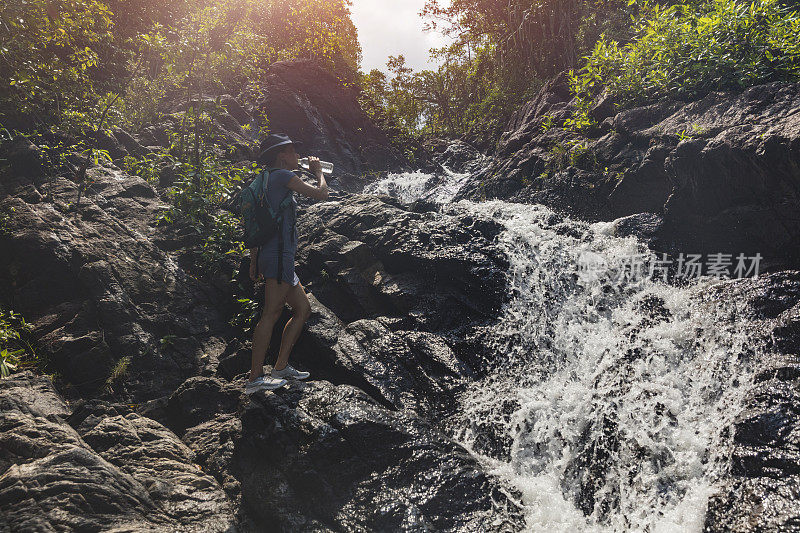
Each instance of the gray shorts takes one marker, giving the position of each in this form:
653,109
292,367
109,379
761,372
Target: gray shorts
268,266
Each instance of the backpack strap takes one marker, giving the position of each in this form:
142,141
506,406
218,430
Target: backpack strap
259,179
284,202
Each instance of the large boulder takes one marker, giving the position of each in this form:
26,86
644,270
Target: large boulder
320,457
97,289
722,170
116,471
368,256
411,271
761,492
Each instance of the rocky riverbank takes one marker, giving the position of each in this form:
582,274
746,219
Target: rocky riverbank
178,444
172,443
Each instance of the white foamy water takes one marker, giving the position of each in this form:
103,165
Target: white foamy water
411,186
607,401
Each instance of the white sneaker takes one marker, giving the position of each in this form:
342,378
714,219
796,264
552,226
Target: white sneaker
263,383
289,372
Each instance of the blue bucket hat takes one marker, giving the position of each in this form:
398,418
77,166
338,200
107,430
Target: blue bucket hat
272,143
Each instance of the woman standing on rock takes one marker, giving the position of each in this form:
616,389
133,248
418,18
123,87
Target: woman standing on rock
275,261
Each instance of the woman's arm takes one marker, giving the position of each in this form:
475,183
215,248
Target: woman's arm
320,192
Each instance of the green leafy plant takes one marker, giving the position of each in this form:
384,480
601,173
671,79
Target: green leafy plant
49,52
223,241
247,316
687,49
690,133
168,340
5,221
92,157
117,374
149,166
12,326
325,277
15,350
558,156
583,157
9,361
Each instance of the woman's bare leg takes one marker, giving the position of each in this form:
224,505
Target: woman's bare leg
274,297
301,310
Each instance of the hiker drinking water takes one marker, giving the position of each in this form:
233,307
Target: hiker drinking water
272,193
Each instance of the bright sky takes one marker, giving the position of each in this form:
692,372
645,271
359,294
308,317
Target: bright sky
392,28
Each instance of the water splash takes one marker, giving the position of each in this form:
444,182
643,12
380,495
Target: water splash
608,401
411,186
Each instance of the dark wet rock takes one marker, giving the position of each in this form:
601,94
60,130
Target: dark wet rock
321,457
214,444
366,257
643,226
756,504
32,395
380,273
198,399
236,110
722,171
454,155
603,107
97,289
762,490
767,433
403,369
32,415
129,143
155,457
73,489
104,140
22,157
126,473
412,370
589,469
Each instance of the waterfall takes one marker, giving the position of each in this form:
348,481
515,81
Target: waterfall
609,398
411,186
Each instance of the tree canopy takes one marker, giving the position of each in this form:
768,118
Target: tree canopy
501,52
75,63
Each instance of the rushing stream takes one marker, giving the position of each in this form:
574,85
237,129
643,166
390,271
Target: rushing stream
609,399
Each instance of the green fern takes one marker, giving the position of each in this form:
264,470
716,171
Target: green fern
118,373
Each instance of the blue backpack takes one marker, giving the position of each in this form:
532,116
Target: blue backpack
260,222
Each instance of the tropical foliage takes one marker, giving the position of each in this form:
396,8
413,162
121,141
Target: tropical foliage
501,53
79,65
15,351
688,49
48,51
503,50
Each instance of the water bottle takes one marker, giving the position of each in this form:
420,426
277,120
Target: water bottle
327,168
